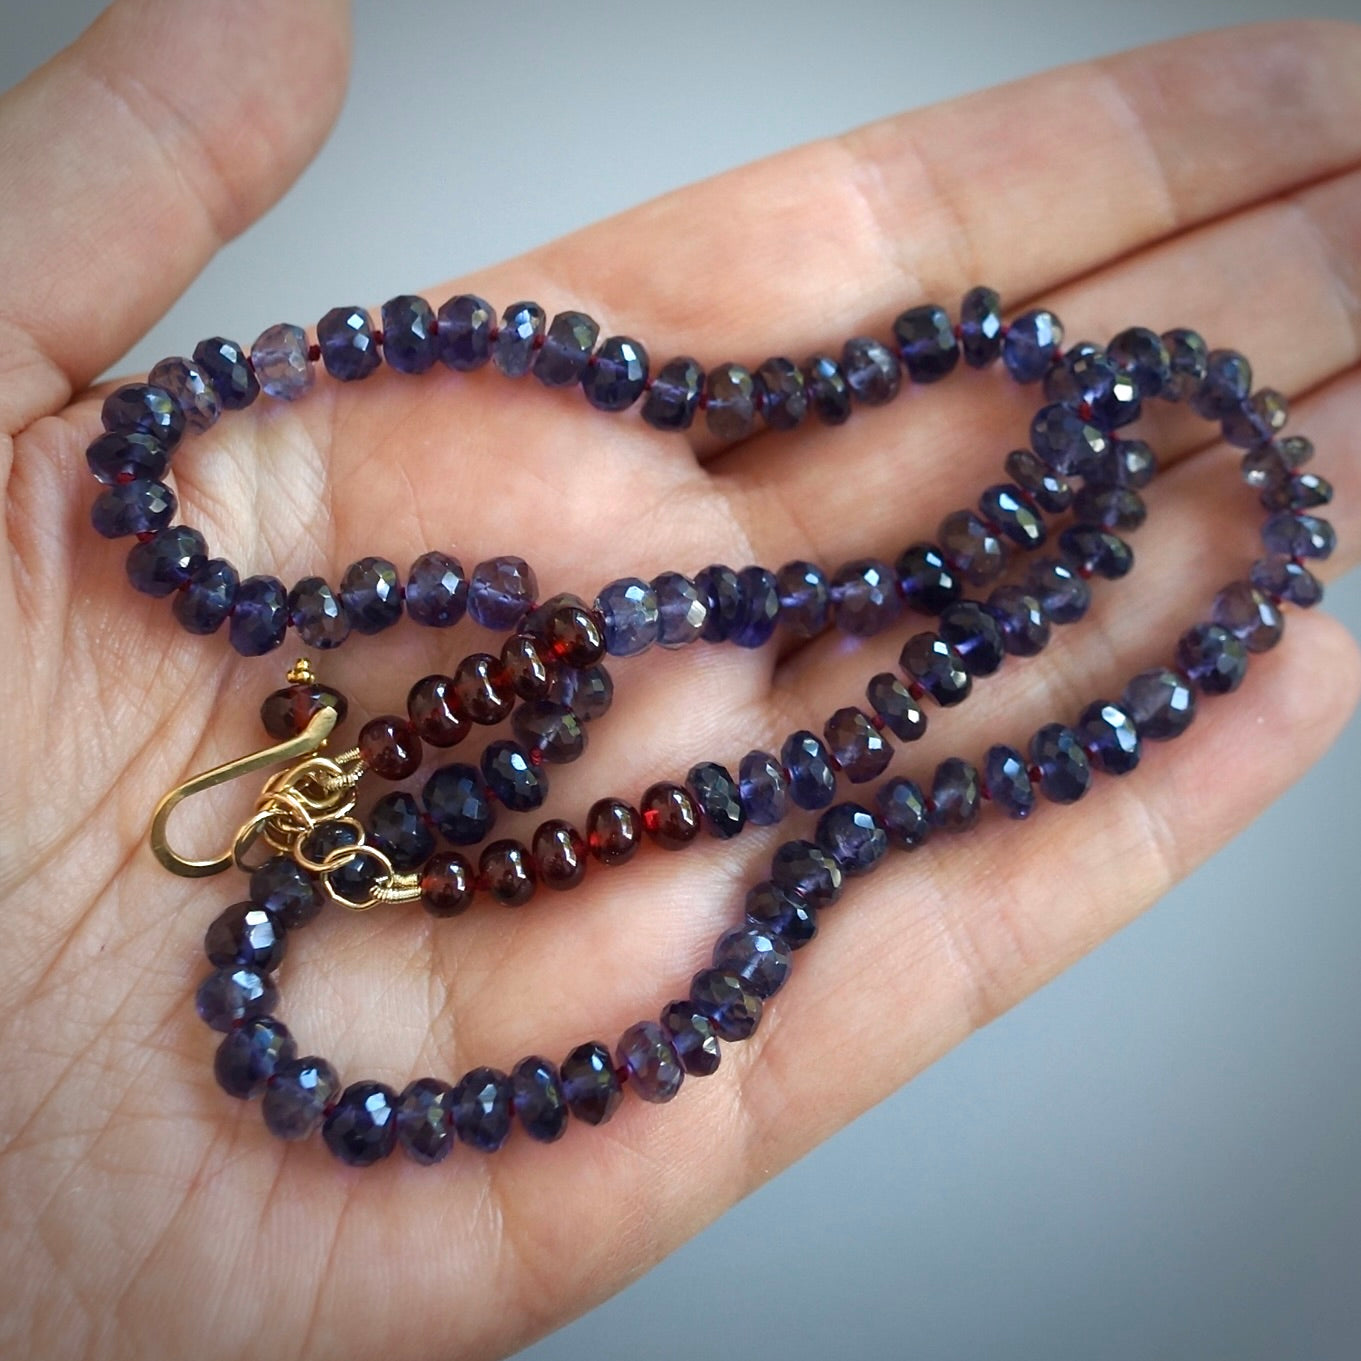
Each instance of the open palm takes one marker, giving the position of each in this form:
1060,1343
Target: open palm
1217,184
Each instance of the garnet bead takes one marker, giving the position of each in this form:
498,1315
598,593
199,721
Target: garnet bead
559,854
483,689
574,634
670,816
614,831
434,710
390,747
287,712
506,869
446,885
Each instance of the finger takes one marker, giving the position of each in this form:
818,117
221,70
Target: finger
160,134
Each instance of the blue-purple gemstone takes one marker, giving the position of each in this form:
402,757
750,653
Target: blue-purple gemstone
1021,617
425,1120
1250,615
464,326
126,508
1125,463
1187,362
866,596
1110,508
805,599
693,1037
902,809
521,333
1089,549
721,589
361,1127
898,710
287,890
1258,420
537,1098
926,581
859,749
804,869
673,398
1109,737
956,795
732,1005
246,934
786,914
730,401
191,391
780,394
163,563
937,667
829,394
1143,355
1030,344
259,618
681,609
628,607
436,593
972,547
501,591
456,801
481,1109
206,600
566,349
115,456
513,778
1213,658
975,635
1161,702
1284,579
143,409
617,374
589,691
812,781
760,608
232,993
1007,508
282,362
1065,441
762,788
1294,535
356,878
1061,758
371,595
926,343
250,1054
1297,491
757,956
980,327
589,1083
1063,595
1227,383
398,828
317,615
1071,379
853,836
297,1096
1006,777
872,370
228,370
410,334
551,728
1109,396
349,348
646,1054
718,798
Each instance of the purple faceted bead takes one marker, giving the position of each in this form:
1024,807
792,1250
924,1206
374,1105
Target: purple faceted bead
1059,755
866,596
896,707
1285,579
436,593
975,635
1109,737
1125,463
926,343
872,371
853,836
566,350
780,395
829,394
762,788
588,691
732,1005
903,810
730,401
1091,550
1030,344
425,1122
721,589
143,409
693,1037
956,795
972,547
233,993
191,391
1187,355
1065,441
804,869
1293,535
1226,385
116,456
926,581
1213,658
283,887
1250,615
537,1098
812,781
552,729
757,956
228,370
397,827
501,591
464,325
1008,508
259,619
760,610
371,595
1259,419
1006,777
246,934
1161,702
786,914
1062,594
250,1054
361,1127
297,1096
128,508
646,1054
717,796
1143,355
805,598
980,327
629,611
513,779
481,1109
349,348
205,601
410,334
590,1084
163,563
520,334
674,396
857,746
937,667
317,615
681,609
1048,489
282,363
1021,617
617,374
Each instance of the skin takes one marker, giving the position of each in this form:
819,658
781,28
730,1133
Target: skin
142,1212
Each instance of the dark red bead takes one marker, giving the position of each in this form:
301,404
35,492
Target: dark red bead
390,747
446,884
507,871
436,713
670,815
526,664
483,688
575,634
559,854
614,831
287,712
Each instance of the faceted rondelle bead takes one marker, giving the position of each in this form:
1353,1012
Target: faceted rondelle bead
482,689
1109,737
872,370
1282,579
1293,535
716,794
1089,549
902,809
980,327
926,343
853,836
506,869
246,934
681,610
590,691
436,713
118,457
1226,385
760,608
500,592
410,334
780,394
566,349
1213,658
895,706
574,634
282,363
721,589
287,712
551,729
614,831
233,993
805,598
972,547
1110,508
730,401
756,955
975,635
812,781
590,1085
956,795
317,615
786,914
1059,755
259,619
397,827
521,331
693,1037
1066,442
355,878
1250,615
512,777
1161,702
628,608
250,1054
674,397
190,390
762,788
1142,355
436,594
143,409
284,888
865,593
456,801
804,869
1260,418
654,1069
1049,490
937,667
1297,491
169,558
1030,344
361,1127
537,1099
857,746
349,349
1021,617
732,1005
296,1097
425,1122
926,581
1007,781
1125,463
390,747
464,326
1266,464
1007,507
559,854
1187,354
228,371
446,885
829,394
481,1109
128,508
617,374
1062,594
371,593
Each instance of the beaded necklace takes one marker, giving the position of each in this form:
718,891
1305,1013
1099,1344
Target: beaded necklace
551,680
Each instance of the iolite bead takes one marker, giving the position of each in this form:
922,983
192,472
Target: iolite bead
681,609
456,801
163,563
975,635
259,618
1061,758
1063,595
284,888
1110,508
980,327
464,325
1009,508
361,1127
1021,617
1258,419
481,1109
1143,355
1227,383
1250,615
780,394
674,396
537,1098
757,956
617,374
926,581
282,362
500,592
566,350
410,334
926,343
297,1095
718,798
436,594
1187,355
398,828
1049,490
521,332
425,1120
316,613
785,913
1270,463
1006,777
760,608
902,809
872,371
191,391
1297,491
250,1054
865,594
127,508
895,706
693,1037
1213,658
143,409
349,348
1030,344
1109,737
853,836
829,394
228,370
972,547
551,728
646,1054
589,691
1065,441
232,993
1125,463
1285,579
116,457
732,1005
805,598
721,589
762,789
804,869
730,401
512,777
1161,702
956,795
590,1084
1091,549
629,610
371,595
937,667
1294,535
812,781
859,749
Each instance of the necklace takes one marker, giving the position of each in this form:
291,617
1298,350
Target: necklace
551,681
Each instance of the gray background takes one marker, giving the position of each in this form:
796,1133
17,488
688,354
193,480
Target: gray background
1157,1154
